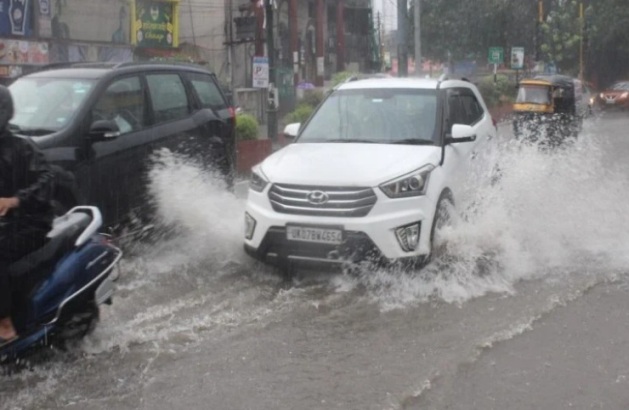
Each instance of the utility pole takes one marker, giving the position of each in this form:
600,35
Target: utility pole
272,97
581,57
418,41
538,30
402,36
380,43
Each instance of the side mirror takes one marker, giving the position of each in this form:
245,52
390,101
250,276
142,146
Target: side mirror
461,133
291,131
104,130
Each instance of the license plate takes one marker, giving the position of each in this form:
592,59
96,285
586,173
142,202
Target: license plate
316,235
611,101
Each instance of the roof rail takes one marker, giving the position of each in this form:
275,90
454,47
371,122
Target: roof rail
179,63
443,77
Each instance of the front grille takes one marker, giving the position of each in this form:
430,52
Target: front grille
342,201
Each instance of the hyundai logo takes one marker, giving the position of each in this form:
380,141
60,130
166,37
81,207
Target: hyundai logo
318,197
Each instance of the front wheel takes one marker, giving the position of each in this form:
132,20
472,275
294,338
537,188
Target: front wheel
80,323
442,219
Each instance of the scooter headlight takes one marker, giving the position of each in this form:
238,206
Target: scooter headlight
413,184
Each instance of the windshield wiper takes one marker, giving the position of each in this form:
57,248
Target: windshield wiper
412,141
34,131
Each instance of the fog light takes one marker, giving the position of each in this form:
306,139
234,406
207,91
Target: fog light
408,236
250,226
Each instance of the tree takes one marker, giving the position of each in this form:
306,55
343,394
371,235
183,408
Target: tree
561,36
465,29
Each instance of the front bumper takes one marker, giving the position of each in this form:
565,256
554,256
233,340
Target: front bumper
370,238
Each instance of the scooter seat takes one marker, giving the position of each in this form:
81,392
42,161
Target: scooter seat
61,239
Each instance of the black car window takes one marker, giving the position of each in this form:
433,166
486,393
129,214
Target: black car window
208,92
472,108
168,97
455,110
122,102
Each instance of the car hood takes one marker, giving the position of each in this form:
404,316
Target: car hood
347,164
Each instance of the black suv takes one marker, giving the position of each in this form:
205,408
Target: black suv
101,123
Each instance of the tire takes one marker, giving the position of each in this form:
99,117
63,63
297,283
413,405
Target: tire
79,324
443,218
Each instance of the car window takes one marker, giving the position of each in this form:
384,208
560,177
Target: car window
47,104
473,111
207,91
122,102
168,97
456,112
374,115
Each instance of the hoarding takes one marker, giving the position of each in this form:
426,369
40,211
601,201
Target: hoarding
15,18
81,20
156,24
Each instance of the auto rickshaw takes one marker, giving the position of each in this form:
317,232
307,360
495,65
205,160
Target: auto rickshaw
549,109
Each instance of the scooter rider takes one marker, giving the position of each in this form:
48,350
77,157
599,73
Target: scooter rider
26,213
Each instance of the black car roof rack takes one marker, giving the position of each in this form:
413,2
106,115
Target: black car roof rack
114,65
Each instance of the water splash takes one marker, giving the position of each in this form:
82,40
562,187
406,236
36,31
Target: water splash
551,214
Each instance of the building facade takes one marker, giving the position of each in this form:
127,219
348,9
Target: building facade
313,38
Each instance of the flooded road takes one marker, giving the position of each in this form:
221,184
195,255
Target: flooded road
527,309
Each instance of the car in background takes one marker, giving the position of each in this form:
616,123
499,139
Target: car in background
614,97
370,176
99,125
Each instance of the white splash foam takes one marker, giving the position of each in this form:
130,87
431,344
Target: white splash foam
551,214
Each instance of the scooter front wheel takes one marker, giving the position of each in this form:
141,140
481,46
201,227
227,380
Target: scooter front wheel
80,323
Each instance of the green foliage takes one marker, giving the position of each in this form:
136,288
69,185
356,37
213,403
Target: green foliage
503,91
561,36
246,127
465,29
341,76
300,115
312,97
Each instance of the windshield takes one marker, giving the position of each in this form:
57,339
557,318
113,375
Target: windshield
624,86
47,104
533,94
375,116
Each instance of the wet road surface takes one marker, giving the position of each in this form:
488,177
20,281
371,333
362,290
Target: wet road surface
528,310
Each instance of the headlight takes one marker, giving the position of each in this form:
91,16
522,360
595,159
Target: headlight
601,95
413,184
257,182
624,95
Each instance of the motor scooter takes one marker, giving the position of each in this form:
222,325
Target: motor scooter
60,286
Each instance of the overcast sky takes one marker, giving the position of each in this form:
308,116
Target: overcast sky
388,10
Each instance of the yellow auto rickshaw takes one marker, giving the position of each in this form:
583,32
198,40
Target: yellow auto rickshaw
549,108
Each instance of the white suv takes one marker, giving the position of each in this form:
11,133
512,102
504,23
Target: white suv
369,174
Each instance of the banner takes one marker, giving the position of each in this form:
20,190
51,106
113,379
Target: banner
82,20
156,24
15,18
23,52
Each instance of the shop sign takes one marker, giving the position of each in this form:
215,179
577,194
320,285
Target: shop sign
83,20
23,52
156,24
15,19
